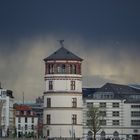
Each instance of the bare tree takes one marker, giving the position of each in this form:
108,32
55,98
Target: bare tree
93,121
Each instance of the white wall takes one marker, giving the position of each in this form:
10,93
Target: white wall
63,82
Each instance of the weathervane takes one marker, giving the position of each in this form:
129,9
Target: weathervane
61,43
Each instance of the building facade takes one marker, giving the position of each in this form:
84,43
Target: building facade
63,95
6,112
26,121
120,107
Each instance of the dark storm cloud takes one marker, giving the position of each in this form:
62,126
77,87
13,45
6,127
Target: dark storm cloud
96,20
105,34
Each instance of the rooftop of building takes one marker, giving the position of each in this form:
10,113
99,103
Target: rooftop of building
111,91
22,107
63,54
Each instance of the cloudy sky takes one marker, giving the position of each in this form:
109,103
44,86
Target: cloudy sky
106,34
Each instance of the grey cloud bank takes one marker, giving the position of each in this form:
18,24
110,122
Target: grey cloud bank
22,68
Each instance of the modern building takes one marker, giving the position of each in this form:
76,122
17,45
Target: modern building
6,112
63,95
26,121
120,106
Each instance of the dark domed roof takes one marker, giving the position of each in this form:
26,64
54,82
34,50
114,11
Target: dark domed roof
63,54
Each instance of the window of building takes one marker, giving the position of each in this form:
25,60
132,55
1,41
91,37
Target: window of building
116,135
135,113
32,120
115,122
89,104
103,113
103,135
26,127
51,69
70,67
32,127
72,85
17,112
102,122
102,105
135,106
74,69
115,113
26,119
48,102
19,120
48,119
50,85
48,132
29,112
74,119
19,127
135,122
63,68
74,102
115,105
22,112
25,113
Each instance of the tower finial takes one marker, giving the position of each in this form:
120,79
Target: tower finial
61,43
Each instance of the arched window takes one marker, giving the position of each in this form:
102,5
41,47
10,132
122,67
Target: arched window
90,134
73,69
116,135
70,69
50,68
63,68
102,135
59,68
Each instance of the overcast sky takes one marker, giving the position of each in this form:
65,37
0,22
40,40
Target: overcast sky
106,34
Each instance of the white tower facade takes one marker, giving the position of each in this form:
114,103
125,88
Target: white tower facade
63,95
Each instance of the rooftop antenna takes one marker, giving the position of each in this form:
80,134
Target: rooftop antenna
61,43
0,86
23,98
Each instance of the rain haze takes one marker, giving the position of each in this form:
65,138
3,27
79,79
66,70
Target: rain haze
106,34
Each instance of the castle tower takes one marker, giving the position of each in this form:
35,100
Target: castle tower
63,95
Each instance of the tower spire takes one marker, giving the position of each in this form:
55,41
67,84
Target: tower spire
61,43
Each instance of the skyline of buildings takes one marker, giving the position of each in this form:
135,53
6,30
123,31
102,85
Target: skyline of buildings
64,96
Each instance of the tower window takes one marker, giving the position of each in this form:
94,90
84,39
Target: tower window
74,119
73,69
59,69
48,119
63,69
48,102
72,85
51,68
74,102
50,85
